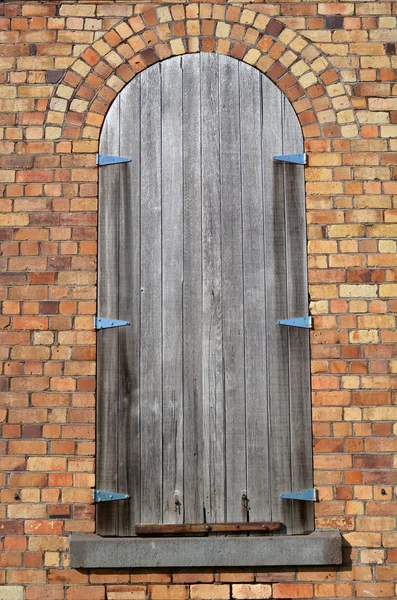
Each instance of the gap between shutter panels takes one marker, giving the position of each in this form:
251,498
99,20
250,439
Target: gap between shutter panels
143,216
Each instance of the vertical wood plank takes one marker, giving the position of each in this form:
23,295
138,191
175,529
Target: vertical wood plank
192,293
129,308
232,287
276,304
107,339
172,276
299,354
151,322
258,480
213,378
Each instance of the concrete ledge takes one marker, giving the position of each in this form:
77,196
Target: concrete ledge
93,551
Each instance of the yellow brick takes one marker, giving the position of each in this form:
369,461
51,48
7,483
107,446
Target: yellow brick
323,291
81,68
336,89
377,321
345,231
13,219
384,231
82,10
209,591
247,17
358,291
352,413
8,91
124,31
345,116
319,64
252,56
34,91
331,187
287,58
222,30
177,46
325,159
364,336
193,27
7,176
388,290
53,133
115,83
286,36
261,22
388,131
114,59
79,105
380,413
163,14
298,44
387,246
361,539
299,68
101,47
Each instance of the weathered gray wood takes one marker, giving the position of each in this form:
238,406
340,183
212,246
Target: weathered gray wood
202,247
129,461
232,288
172,281
151,323
297,295
107,339
258,481
192,293
213,372
276,305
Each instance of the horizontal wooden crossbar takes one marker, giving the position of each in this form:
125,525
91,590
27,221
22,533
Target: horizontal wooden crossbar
207,528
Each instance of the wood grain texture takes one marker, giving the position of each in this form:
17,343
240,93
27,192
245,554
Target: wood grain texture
299,352
151,293
257,424
276,304
203,248
129,452
232,288
172,282
212,338
192,293
107,339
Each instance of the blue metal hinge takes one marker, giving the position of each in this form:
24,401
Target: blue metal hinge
297,159
106,159
102,496
307,495
101,323
304,322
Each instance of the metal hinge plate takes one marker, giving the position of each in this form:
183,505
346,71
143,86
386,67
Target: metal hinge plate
304,322
306,495
101,323
103,496
105,159
297,159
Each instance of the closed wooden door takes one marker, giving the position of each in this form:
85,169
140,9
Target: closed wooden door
204,401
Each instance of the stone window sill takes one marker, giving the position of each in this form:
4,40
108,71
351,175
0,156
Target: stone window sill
93,551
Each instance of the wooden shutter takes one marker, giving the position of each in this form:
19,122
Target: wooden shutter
202,246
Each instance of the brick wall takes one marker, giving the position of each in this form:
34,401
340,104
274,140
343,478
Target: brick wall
61,65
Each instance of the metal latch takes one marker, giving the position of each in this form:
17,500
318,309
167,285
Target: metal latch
105,159
307,495
101,323
297,159
304,322
103,496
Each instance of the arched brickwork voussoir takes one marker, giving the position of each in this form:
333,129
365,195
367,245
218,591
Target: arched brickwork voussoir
294,64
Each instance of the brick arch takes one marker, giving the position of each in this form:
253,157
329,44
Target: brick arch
298,68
